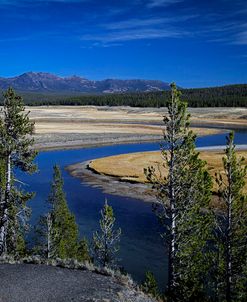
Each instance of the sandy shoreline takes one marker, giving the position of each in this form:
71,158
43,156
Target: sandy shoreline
65,142
111,185
114,134
58,141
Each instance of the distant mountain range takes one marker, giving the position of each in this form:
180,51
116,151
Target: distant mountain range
42,82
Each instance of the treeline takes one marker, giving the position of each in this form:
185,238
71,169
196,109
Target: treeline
225,96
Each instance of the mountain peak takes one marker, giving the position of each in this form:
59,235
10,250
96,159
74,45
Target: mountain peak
48,82
39,74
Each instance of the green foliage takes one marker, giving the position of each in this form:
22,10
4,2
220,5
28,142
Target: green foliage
15,133
150,286
21,249
40,239
105,241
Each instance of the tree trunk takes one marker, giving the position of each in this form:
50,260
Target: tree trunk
228,240
49,236
172,247
5,205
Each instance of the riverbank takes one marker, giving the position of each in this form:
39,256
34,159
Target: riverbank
110,184
124,174
71,127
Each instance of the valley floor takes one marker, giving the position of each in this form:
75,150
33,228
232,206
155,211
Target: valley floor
59,127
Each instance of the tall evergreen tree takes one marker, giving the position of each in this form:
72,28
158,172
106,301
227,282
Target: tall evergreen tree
232,227
57,231
62,230
15,152
105,242
181,196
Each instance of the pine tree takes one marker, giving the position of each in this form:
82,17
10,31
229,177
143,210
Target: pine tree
56,234
83,251
181,197
232,227
105,242
62,230
150,286
15,152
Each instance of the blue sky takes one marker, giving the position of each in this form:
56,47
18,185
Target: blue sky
194,43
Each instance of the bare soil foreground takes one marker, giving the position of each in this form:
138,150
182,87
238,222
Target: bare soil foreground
43,283
126,172
79,126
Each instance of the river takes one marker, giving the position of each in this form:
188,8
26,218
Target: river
141,245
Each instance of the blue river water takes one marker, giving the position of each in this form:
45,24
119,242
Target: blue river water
141,246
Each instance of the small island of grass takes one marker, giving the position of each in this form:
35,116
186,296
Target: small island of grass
130,167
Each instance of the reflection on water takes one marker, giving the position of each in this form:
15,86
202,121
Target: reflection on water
141,245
